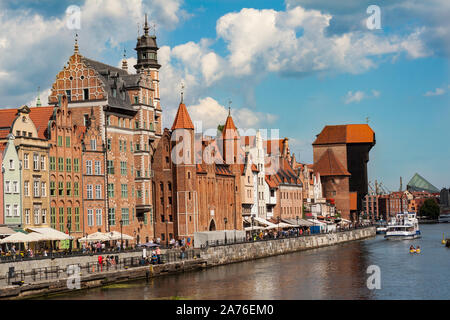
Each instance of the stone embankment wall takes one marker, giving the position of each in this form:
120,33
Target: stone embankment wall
254,250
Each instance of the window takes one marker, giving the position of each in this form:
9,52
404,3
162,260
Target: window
89,191
98,170
98,191
124,146
27,216
136,124
76,191
36,216
138,147
76,165
110,190
138,173
123,168
53,218
114,92
42,162
7,187
120,145
139,194
60,141
136,99
108,120
108,144
52,163
69,95
60,188
110,167
90,217
68,165
93,144
88,167
98,215
125,216
11,164
86,94
69,188
112,216
131,146
77,219
124,188
15,187
36,189
25,161
26,188
36,162
43,189
67,142
8,210
60,164
52,188
61,219
44,216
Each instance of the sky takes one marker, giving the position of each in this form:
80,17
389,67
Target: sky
293,65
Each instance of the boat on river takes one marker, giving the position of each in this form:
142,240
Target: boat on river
404,226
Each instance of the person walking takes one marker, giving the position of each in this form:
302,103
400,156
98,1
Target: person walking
158,254
100,262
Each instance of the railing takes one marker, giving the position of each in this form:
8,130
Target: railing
278,236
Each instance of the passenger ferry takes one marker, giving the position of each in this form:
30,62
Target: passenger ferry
444,218
403,226
381,227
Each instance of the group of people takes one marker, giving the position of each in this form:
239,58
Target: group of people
153,258
29,253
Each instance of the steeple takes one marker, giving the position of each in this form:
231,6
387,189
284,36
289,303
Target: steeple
124,61
146,48
76,49
182,119
38,101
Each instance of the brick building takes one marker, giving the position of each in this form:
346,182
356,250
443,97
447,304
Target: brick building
340,156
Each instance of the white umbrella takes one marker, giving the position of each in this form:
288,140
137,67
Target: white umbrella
20,237
97,236
114,235
253,228
280,225
50,234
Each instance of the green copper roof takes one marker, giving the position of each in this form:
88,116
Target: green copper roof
418,183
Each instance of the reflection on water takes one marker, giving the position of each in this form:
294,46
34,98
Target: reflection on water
337,272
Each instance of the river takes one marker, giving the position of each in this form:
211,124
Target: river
336,272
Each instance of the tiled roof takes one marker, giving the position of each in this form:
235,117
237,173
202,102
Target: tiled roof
7,117
182,119
349,133
223,170
284,175
329,165
40,117
229,129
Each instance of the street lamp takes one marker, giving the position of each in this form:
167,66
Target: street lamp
121,238
69,225
225,220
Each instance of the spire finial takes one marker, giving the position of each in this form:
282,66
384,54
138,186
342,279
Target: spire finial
76,44
182,91
229,107
38,101
367,120
146,26
124,61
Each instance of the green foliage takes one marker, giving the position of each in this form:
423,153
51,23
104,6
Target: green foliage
429,209
220,127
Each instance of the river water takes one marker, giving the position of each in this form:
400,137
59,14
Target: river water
337,272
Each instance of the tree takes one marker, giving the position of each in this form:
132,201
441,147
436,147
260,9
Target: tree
429,209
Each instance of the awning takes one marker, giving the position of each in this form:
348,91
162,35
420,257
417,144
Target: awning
280,225
5,231
264,221
301,222
50,234
254,228
316,222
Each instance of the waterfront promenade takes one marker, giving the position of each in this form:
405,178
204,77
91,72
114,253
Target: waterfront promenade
53,278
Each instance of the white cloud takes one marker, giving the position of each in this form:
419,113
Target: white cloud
211,113
376,93
356,96
436,92
46,43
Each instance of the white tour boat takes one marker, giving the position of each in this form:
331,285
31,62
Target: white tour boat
403,226
444,218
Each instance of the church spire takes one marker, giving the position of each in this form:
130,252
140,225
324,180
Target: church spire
38,101
146,28
76,49
124,61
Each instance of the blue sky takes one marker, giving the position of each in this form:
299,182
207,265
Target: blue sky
296,65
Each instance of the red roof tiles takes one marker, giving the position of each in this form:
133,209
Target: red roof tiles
349,133
182,119
40,117
329,165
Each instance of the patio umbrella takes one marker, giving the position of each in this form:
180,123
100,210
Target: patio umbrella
19,237
114,235
50,234
149,245
97,236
